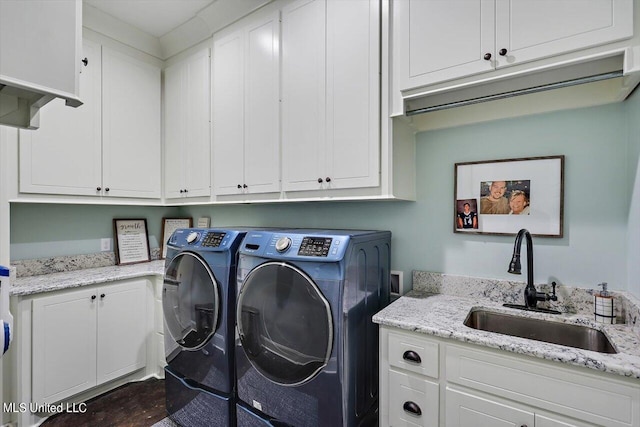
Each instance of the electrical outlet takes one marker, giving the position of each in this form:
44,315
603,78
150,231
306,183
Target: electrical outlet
105,244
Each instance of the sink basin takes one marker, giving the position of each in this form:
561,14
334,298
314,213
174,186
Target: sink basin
540,330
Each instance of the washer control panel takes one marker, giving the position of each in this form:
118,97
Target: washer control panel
296,245
315,246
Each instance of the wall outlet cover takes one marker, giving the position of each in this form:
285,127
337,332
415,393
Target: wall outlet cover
105,244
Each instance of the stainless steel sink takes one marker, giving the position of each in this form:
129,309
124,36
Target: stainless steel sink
540,330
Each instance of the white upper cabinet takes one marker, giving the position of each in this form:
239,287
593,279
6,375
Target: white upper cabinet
187,138
64,156
109,146
130,126
246,113
330,78
40,44
441,40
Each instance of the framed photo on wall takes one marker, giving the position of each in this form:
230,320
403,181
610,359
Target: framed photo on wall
504,196
131,241
169,225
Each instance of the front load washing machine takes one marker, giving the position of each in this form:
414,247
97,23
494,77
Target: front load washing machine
307,350
198,300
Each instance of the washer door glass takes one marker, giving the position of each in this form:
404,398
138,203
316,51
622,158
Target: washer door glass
284,323
190,301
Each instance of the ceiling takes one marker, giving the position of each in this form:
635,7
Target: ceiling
154,17
164,28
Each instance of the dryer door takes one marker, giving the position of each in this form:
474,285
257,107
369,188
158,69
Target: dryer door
284,323
190,301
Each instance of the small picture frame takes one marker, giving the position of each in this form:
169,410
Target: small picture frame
508,195
131,241
169,225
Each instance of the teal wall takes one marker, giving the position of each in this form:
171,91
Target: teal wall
601,159
44,230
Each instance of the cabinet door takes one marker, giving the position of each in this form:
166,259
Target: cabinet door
64,156
174,132
130,126
39,44
353,94
303,95
440,40
468,410
64,345
534,29
121,329
262,106
197,158
187,139
228,114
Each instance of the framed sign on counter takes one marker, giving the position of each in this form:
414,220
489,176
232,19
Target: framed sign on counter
169,225
504,196
131,241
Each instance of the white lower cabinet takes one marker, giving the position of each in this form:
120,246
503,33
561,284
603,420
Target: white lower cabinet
86,337
468,410
428,381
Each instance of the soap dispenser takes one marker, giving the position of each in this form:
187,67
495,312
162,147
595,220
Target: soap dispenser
603,305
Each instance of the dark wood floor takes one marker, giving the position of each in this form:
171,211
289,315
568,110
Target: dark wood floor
139,404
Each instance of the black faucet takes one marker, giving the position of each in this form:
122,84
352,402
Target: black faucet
531,295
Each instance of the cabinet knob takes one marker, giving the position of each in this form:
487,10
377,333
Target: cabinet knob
327,179
186,191
93,297
181,191
320,180
106,189
85,61
98,188
102,295
412,408
239,186
502,52
244,185
487,56
412,356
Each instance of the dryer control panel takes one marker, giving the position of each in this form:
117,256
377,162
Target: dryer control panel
203,239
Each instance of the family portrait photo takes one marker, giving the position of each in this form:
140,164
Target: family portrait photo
503,196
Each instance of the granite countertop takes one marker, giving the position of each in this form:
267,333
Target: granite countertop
442,315
89,276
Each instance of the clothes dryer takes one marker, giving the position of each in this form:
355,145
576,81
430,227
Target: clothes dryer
307,350
198,299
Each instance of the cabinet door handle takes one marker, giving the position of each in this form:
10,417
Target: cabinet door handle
320,180
85,61
244,186
98,188
181,191
102,295
487,56
502,52
106,189
412,356
328,179
239,186
412,408
93,297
